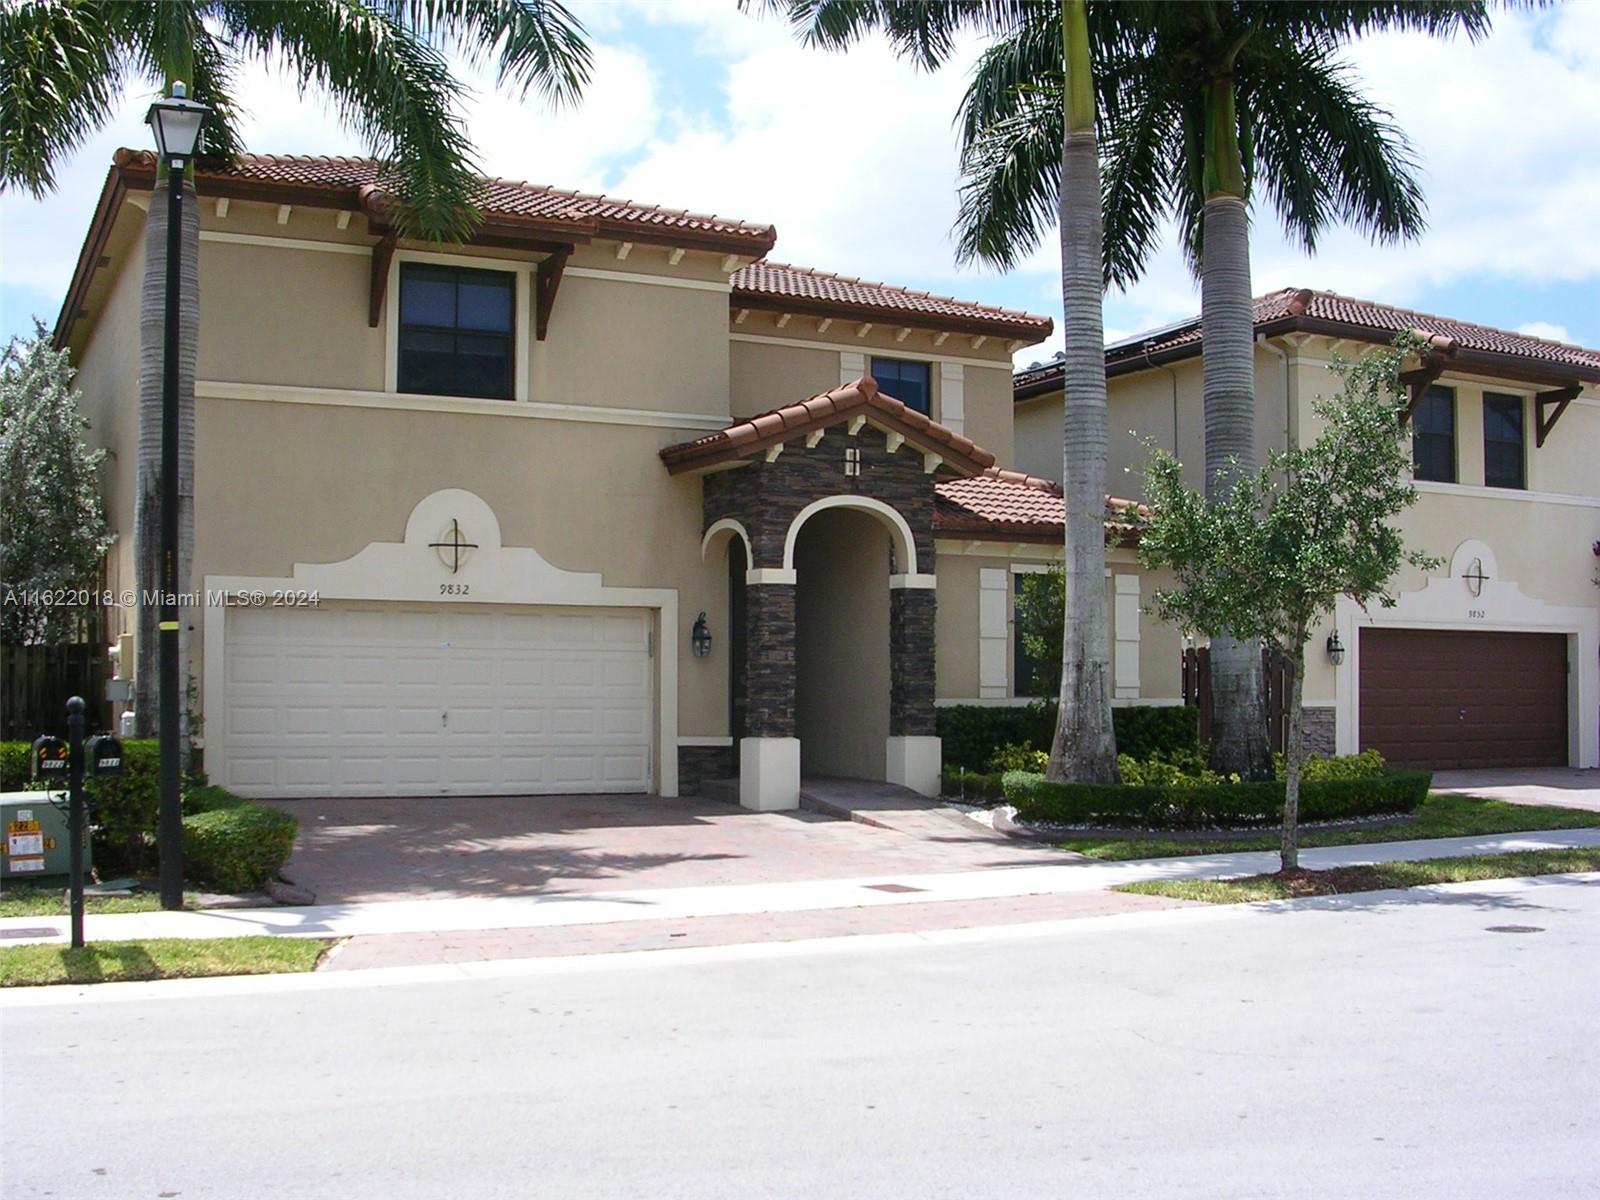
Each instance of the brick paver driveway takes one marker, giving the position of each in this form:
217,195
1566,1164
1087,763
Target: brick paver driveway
389,849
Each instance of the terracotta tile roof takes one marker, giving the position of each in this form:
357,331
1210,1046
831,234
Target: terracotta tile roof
503,199
751,435
779,286
1010,505
1302,309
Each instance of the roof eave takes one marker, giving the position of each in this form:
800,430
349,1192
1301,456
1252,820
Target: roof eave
112,194
1028,333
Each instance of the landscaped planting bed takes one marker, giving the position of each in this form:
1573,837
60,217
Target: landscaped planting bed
1226,805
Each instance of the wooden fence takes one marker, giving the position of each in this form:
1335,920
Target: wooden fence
1275,671
36,681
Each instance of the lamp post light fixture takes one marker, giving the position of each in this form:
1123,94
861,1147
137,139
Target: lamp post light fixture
1335,648
700,637
176,122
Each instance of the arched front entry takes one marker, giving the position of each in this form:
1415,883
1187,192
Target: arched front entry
843,557
836,658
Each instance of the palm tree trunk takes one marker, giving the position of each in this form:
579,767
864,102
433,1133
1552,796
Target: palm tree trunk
1084,748
147,517
1294,752
1238,719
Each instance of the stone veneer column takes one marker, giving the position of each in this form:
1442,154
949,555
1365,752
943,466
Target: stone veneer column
769,751
913,752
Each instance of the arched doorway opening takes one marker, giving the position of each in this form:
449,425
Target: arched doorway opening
843,556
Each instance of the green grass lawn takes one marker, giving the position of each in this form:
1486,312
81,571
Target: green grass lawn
29,900
1341,880
1440,816
157,958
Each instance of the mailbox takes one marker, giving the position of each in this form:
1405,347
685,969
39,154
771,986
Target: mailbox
103,756
51,759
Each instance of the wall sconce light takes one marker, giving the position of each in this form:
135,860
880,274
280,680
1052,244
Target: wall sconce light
1335,648
700,637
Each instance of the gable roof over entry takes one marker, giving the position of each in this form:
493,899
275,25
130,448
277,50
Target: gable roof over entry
750,437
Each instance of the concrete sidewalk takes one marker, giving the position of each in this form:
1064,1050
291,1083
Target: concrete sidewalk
594,908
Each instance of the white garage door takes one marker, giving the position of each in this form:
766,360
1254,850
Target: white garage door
385,700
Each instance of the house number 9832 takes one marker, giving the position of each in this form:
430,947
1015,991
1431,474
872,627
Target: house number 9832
455,589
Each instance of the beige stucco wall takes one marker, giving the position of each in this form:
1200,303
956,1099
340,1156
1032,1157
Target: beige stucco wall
957,622
108,378
588,497
842,645
763,377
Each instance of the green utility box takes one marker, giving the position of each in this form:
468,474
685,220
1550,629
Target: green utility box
35,832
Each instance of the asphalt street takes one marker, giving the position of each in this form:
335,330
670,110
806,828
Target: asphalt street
1439,1043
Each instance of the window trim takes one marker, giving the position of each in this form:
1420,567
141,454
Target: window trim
925,364
1455,432
521,328
1522,409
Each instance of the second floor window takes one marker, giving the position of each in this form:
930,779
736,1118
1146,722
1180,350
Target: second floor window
906,381
455,331
1433,435
1502,441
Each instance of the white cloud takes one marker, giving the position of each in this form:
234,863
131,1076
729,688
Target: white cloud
1544,329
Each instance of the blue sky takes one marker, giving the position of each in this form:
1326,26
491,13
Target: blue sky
853,157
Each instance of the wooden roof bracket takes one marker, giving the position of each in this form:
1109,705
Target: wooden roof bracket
382,256
1560,398
1422,376
546,283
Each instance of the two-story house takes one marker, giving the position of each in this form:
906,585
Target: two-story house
1490,661
601,501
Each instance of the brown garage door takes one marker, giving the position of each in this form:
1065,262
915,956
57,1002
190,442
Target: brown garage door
1445,698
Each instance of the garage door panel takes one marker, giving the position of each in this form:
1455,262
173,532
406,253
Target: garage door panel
373,700
1449,699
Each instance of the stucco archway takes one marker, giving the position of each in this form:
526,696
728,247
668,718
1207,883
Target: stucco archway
901,539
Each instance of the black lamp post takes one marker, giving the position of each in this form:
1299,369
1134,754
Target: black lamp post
176,122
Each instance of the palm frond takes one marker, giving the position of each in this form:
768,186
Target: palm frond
390,85
1011,181
924,31
1326,152
62,68
539,44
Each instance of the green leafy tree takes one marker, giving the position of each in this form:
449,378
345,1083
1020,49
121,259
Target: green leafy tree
54,531
1199,103
65,65
1041,611
1267,560
1084,746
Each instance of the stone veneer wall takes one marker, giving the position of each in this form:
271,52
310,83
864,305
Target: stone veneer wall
769,658
1318,729
911,663
697,764
766,497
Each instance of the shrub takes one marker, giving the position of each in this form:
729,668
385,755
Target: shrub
1156,730
1207,805
973,733
15,766
974,787
1012,757
1350,766
234,845
124,810
1188,766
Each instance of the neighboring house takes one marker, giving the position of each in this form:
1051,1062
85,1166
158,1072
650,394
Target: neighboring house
517,474
1492,660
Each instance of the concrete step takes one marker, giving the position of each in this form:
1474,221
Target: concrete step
866,801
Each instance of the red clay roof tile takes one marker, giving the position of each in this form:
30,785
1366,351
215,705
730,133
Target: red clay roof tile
1000,503
741,437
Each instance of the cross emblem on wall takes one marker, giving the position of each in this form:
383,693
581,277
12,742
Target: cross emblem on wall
453,547
1475,577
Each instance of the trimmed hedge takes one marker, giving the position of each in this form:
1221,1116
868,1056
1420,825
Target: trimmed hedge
231,844
973,732
1208,805
975,787
228,842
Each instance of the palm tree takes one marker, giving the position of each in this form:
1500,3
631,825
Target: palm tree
1084,746
66,64
1198,100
